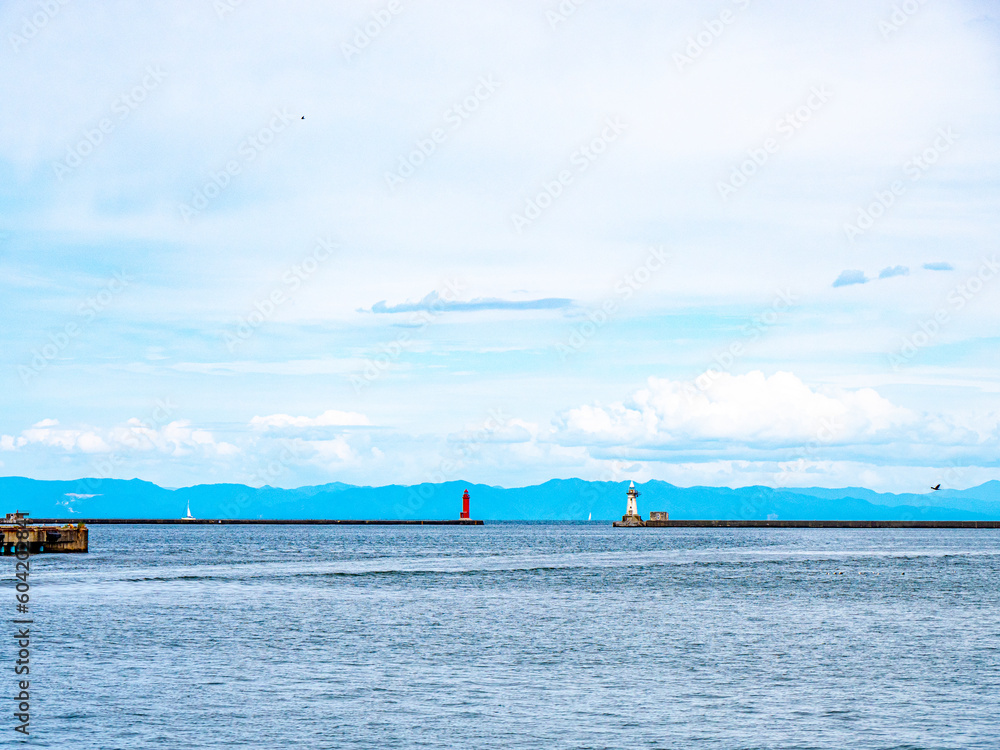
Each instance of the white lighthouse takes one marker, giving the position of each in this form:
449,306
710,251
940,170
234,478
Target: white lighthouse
631,517
633,493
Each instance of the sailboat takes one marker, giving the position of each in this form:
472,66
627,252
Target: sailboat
189,517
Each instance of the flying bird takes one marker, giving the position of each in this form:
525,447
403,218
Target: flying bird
936,486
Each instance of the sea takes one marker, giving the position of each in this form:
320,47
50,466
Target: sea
512,635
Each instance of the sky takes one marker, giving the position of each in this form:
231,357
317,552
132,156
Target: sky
722,243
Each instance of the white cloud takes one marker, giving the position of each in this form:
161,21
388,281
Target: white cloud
177,438
330,452
755,411
329,418
48,433
10,443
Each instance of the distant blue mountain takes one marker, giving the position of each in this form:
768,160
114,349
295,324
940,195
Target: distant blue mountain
983,499
557,499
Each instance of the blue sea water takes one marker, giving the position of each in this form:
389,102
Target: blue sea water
514,636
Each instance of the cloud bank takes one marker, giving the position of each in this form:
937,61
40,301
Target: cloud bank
436,304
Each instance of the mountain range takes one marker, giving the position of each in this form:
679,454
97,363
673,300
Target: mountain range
557,499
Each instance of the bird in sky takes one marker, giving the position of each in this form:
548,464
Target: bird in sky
936,486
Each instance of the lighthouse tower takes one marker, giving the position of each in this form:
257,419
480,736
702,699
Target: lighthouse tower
633,493
465,505
631,517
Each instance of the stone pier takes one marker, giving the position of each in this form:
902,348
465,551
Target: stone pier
66,538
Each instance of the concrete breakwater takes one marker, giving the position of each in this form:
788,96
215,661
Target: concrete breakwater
661,519
265,521
64,538
779,524
675,523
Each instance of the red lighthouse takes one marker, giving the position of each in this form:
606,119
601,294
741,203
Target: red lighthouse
465,505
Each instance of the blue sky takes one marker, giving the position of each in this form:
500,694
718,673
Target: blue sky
715,243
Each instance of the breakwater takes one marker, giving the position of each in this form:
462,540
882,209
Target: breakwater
264,521
674,523
780,524
37,538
